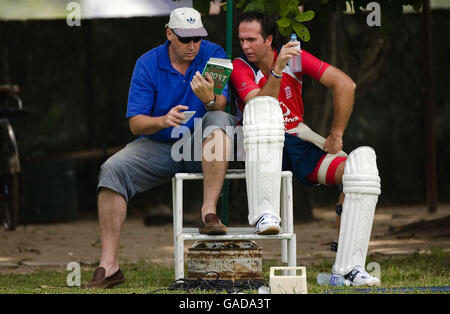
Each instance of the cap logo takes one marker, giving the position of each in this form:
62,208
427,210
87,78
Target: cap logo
190,20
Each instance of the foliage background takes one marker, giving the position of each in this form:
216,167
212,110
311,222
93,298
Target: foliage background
75,82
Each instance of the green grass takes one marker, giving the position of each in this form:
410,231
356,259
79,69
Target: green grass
417,270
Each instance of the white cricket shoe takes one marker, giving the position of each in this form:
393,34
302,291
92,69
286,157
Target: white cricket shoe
267,224
359,277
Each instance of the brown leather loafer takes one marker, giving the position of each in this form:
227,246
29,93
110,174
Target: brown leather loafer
99,280
212,226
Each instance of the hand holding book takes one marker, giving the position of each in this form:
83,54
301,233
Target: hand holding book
220,71
203,87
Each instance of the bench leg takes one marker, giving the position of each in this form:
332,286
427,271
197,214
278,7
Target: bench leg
284,251
177,201
179,258
292,253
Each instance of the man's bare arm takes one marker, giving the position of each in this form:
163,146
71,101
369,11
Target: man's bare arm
272,86
343,99
142,124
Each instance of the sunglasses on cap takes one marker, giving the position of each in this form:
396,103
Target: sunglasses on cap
187,40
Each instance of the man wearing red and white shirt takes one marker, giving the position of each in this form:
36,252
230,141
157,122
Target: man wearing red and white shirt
262,71
251,80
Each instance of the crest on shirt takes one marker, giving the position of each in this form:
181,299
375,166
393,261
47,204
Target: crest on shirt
288,92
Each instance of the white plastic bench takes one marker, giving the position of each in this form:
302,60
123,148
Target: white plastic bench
286,235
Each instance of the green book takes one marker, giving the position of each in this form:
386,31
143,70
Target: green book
220,71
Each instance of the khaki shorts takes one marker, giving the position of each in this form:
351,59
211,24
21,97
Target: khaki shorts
145,163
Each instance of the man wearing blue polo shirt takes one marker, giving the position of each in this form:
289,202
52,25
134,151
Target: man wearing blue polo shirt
166,82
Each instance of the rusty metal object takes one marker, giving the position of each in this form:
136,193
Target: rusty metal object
227,260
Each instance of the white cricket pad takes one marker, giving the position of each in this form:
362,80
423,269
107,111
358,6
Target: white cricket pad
362,185
263,143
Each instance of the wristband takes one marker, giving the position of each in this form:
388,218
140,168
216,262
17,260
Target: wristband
275,75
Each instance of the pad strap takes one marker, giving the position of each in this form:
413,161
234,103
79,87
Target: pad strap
338,209
334,247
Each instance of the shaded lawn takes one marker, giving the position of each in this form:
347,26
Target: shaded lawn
417,270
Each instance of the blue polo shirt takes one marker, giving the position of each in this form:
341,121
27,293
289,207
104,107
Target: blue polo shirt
156,86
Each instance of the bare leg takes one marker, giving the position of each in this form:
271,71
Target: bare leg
214,170
112,211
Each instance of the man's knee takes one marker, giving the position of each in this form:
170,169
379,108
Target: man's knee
216,133
217,146
106,194
339,173
219,120
329,170
112,166
113,176
215,115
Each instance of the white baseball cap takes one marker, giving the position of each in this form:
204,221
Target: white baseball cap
186,22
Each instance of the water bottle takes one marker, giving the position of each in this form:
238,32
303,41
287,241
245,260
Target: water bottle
264,290
295,63
332,280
